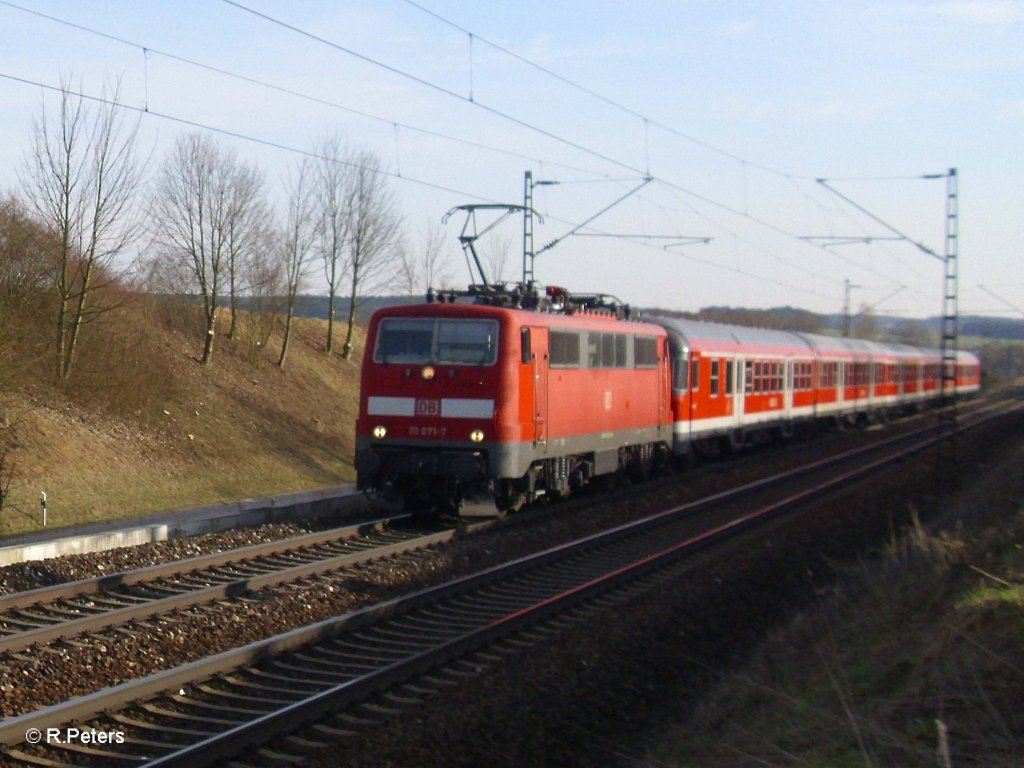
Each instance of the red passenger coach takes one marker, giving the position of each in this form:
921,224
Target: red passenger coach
463,401
730,382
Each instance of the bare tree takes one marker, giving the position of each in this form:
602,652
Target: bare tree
204,191
332,220
248,228
424,267
408,272
82,176
23,242
373,234
7,469
24,281
296,243
265,279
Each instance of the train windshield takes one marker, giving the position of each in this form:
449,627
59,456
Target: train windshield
436,340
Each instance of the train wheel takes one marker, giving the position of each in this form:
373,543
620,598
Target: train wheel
509,499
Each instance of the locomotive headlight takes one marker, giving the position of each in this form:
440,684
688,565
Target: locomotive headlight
380,432
428,372
477,435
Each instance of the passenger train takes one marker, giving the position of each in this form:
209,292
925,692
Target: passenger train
514,395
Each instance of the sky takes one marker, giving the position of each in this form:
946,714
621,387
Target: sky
734,111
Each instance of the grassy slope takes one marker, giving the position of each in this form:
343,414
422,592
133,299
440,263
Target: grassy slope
196,435
919,654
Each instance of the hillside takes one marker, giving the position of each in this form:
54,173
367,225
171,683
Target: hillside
144,427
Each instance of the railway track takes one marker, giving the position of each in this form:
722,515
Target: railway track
87,608
218,707
72,609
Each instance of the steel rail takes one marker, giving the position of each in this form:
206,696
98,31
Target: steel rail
175,567
289,650
185,595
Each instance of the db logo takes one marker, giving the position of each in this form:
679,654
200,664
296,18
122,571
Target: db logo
428,407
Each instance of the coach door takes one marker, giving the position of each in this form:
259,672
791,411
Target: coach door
538,353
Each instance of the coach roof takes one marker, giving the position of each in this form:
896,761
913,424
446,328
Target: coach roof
722,337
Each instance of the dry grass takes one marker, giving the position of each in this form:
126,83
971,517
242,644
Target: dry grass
917,660
144,427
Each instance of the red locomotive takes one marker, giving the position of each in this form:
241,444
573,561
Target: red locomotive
461,401
516,395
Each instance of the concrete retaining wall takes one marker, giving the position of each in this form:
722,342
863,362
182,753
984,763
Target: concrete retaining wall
172,525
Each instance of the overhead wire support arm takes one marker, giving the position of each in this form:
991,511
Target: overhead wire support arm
647,180
1000,299
902,236
678,240
871,307
825,241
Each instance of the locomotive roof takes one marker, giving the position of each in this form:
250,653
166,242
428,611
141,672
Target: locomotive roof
580,320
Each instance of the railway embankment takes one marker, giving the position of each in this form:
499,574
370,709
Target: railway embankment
913,657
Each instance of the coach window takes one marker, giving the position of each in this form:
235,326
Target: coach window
621,346
645,352
714,377
695,375
729,376
593,350
607,350
827,377
748,377
564,349
681,373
